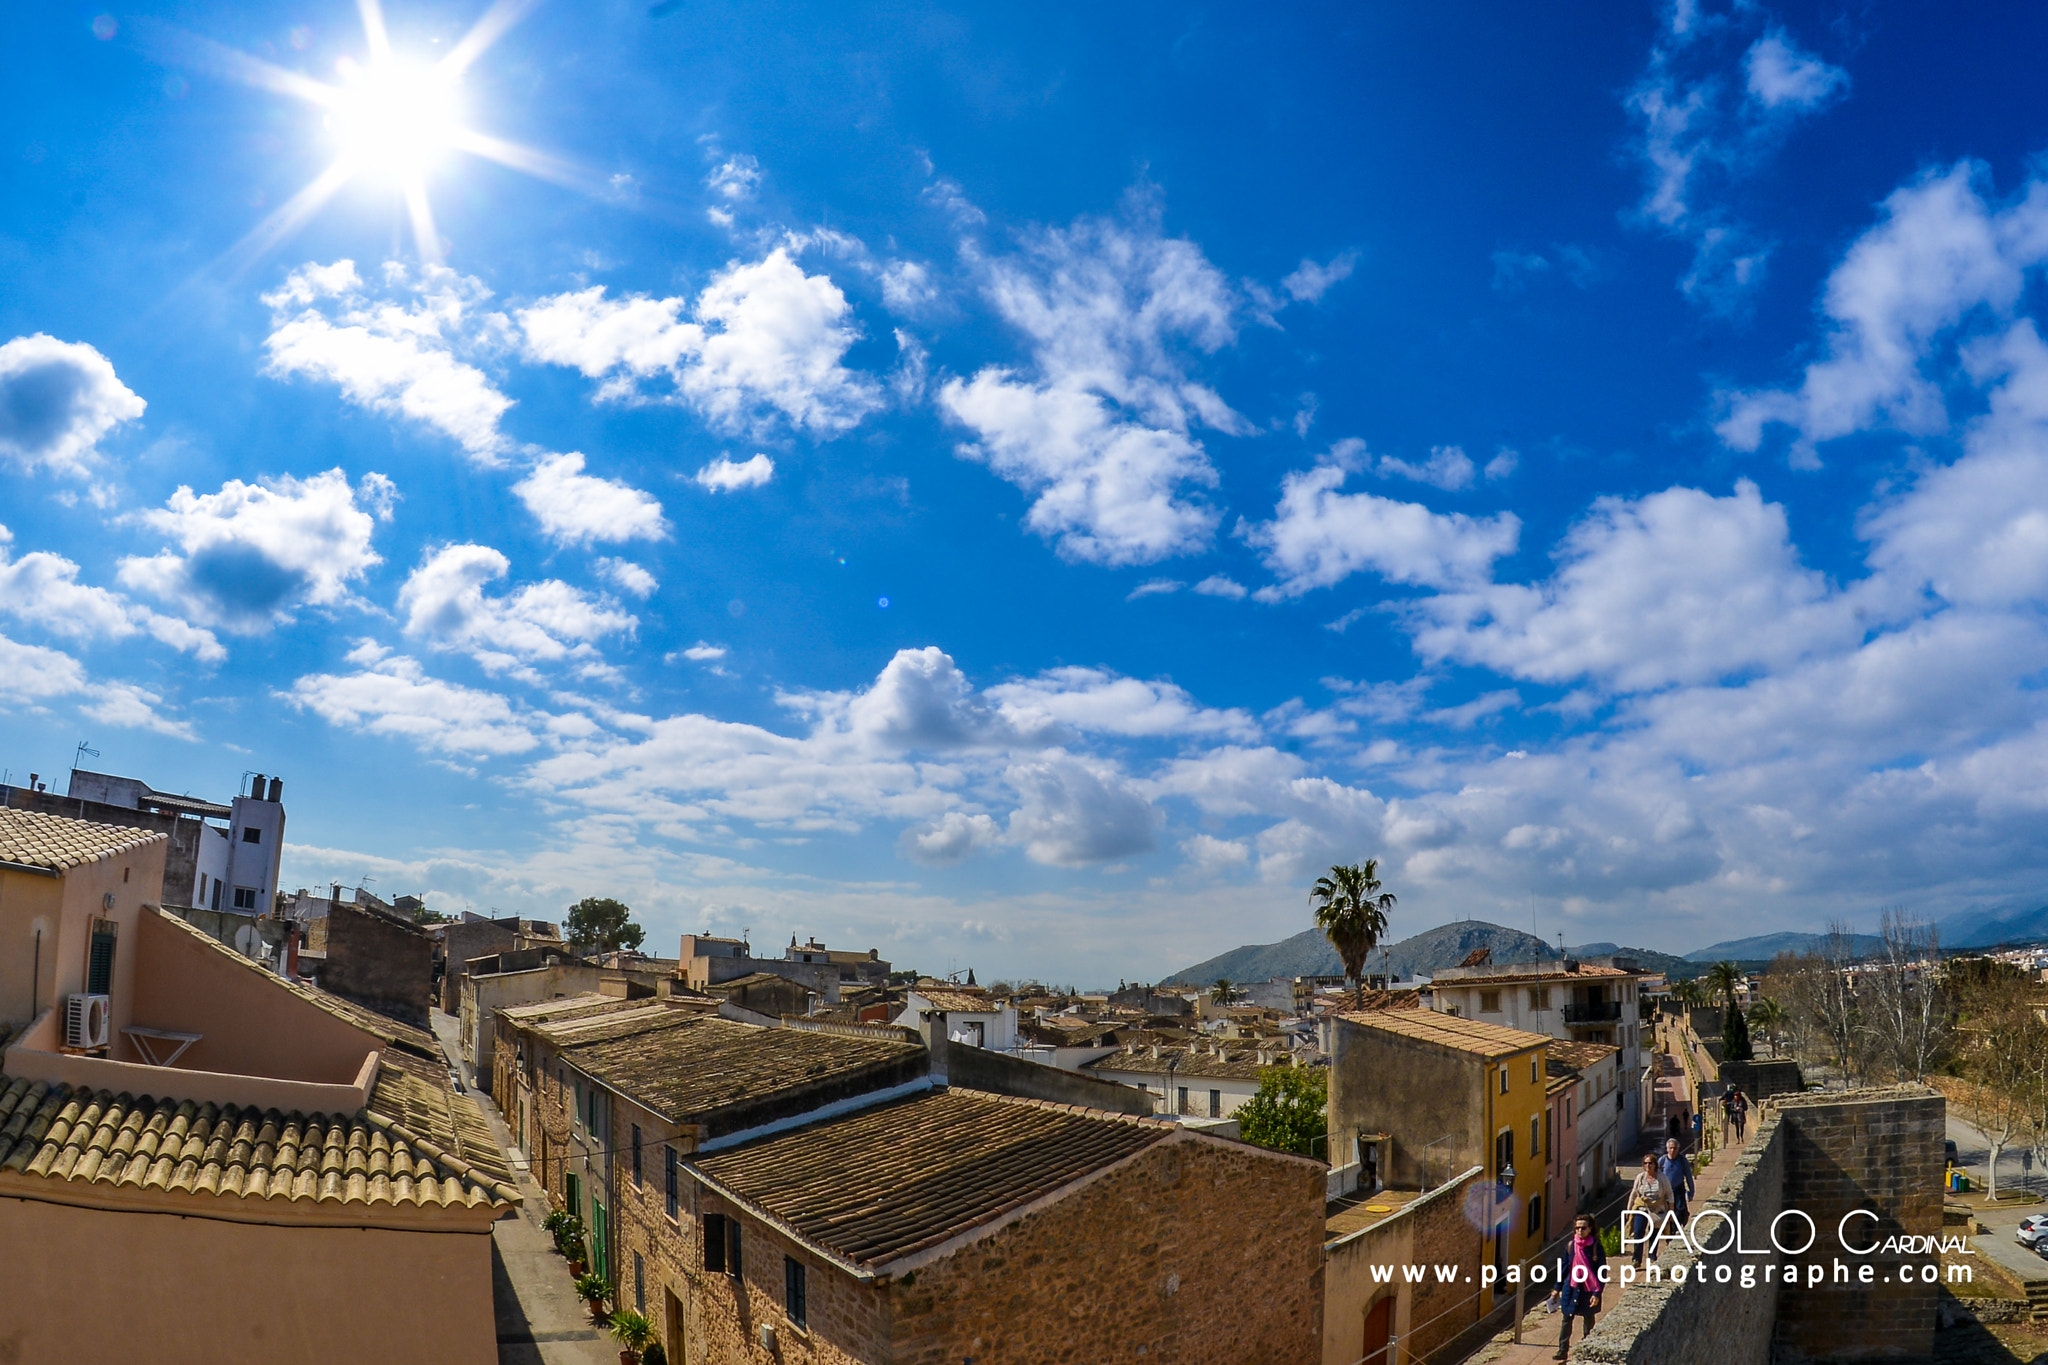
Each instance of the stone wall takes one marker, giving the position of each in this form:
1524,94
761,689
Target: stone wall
976,1068
379,963
1432,1230
1825,1155
1764,1077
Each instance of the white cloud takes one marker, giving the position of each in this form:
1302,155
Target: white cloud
396,351
1319,536
1780,74
1702,132
705,653
1210,855
907,286
43,589
950,838
1216,585
250,553
445,604
1154,587
727,476
1072,812
1311,281
1448,468
735,179
575,508
1093,700
1676,587
33,675
57,399
761,335
627,576
1502,464
1938,254
393,697
1100,431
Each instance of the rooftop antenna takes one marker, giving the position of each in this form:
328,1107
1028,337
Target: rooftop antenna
84,748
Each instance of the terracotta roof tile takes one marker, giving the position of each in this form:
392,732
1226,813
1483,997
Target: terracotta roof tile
58,842
958,1001
698,1068
1451,1031
887,1182
58,1132
1579,1055
1241,1064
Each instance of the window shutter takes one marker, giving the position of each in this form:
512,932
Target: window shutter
714,1241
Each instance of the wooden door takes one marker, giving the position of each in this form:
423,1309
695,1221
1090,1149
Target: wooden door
1379,1327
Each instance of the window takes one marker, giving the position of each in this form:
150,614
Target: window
732,1248
1183,1099
1489,1002
636,1154
714,1241
216,895
639,1285
1215,1104
1539,997
671,1177
245,898
1503,1080
1535,1214
252,835
99,966
1535,1127
1533,1064
793,1289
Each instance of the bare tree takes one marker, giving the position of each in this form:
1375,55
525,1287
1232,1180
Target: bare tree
1906,1010
2004,1047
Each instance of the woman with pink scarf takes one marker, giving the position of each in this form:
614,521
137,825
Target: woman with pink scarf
1579,1275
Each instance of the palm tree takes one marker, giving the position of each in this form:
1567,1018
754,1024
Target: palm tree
1220,992
1768,1015
1351,910
1724,979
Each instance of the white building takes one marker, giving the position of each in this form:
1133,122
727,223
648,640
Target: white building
1207,1079
962,1014
229,865
1583,1002
1597,1106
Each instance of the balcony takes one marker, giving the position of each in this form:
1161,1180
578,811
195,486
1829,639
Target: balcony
1604,1012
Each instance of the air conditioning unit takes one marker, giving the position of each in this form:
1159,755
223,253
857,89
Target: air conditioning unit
85,1020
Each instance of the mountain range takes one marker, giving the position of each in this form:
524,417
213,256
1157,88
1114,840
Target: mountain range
1308,953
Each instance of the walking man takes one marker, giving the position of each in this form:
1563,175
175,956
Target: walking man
1579,1273
1649,1199
1727,1113
1741,1111
1677,1172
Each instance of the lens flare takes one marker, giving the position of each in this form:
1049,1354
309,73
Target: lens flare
395,120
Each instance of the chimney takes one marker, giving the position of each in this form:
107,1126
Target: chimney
256,788
335,895
276,789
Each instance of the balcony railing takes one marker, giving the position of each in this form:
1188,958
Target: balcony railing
1607,1012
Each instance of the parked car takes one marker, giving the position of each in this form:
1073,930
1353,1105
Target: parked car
1949,1150
2033,1232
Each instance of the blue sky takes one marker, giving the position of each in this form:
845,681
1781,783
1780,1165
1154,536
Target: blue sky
1030,489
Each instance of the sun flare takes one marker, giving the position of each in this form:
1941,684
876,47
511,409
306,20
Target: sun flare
395,120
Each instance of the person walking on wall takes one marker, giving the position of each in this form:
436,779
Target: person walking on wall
1741,1112
1579,1273
1676,1169
1649,1199
1699,1124
1727,1113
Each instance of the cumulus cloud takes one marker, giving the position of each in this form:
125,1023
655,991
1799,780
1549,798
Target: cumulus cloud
1319,536
704,652
575,508
445,604
627,576
1939,253
726,476
1701,133
1096,701
735,179
1101,429
1448,468
397,349
1072,812
1677,587
393,697
33,676
1154,587
907,286
42,589
950,839
251,553
57,399
1216,585
761,336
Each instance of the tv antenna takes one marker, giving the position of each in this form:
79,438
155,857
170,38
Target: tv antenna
84,748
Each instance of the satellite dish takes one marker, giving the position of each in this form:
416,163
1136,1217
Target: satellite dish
248,942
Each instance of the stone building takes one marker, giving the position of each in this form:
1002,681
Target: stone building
1572,1001
475,936
824,1194
1362,1312
1419,1095
709,961
525,977
375,957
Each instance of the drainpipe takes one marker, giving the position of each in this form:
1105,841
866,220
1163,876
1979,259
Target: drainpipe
35,979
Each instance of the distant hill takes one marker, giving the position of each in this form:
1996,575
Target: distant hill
1987,928
1650,958
1764,947
1308,953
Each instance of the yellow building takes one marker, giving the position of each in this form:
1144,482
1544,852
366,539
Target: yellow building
1419,1097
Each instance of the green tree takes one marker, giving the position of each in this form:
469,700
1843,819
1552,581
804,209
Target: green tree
1351,910
1287,1114
1768,1015
1220,992
1724,979
599,924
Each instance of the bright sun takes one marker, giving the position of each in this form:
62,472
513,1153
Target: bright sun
392,119
395,120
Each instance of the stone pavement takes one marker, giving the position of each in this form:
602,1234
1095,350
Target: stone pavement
540,1319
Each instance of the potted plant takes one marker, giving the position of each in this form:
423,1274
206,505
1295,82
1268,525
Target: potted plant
592,1289
634,1333
570,1244
654,1355
556,1221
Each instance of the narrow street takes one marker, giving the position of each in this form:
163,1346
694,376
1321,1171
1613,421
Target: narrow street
540,1320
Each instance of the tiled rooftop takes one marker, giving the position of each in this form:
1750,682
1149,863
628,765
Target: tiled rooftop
568,1007
58,843
887,1182
414,1093
698,1068
56,1132
956,1001
1579,1055
1447,1030
1241,1064
650,1017
1508,975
